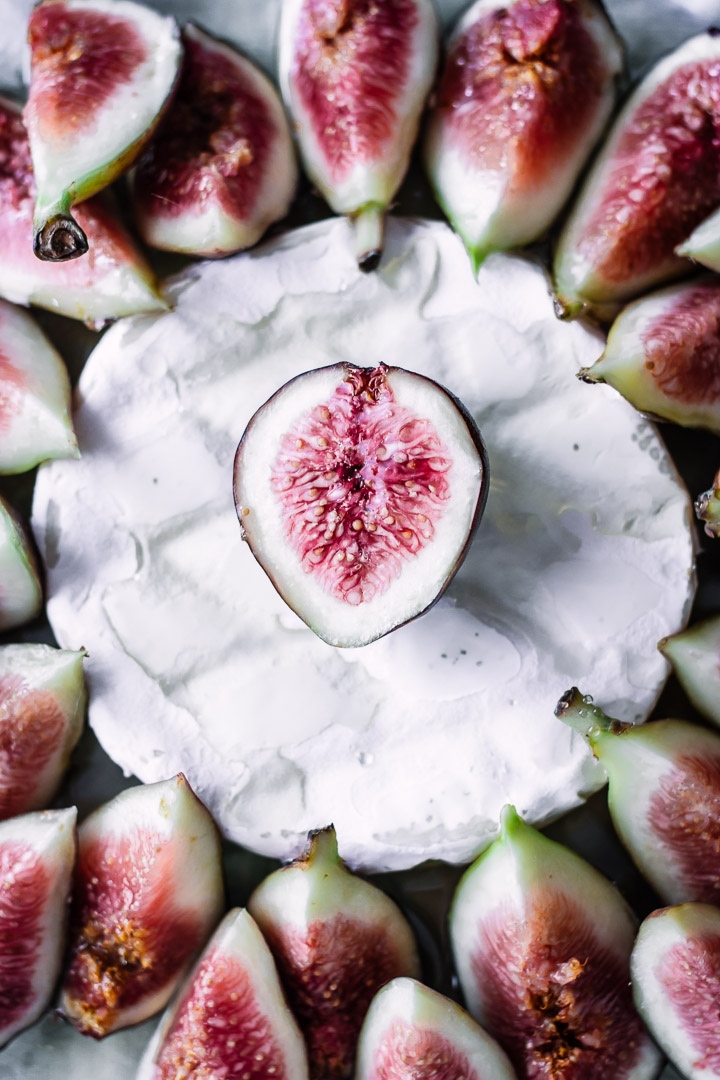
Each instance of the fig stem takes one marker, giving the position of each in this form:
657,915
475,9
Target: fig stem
510,821
322,846
369,226
58,238
578,712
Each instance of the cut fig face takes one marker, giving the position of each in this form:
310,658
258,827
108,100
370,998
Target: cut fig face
655,181
336,940
664,796
695,657
20,588
221,168
663,354
676,984
414,1033
101,72
37,852
542,946
707,508
358,491
112,281
148,890
525,94
230,1018
42,708
35,423
355,75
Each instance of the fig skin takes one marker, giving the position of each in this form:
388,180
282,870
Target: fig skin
663,794
233,986
676,985
336,940
353,581
148,891
37,852
221,168
414,1033
542,946
707,508
101,75
654,181
355,76
526,93
695,657
20,589
663,354
114,280
42,709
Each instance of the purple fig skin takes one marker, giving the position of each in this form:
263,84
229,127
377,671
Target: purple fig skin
707,508
336,940
676,985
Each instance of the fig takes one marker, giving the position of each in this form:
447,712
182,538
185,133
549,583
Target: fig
695,657
42,708
676,983
707,508
355,75
664,796
148,891
414,1033
655,180
20,589
230,1019
663,354
542,946
35,422
37,852
358,491
221,168
112,281
525,94
336,940
101,73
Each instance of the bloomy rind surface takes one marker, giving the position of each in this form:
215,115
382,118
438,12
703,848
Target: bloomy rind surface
707,508
20,589
234,985
695,656
676,985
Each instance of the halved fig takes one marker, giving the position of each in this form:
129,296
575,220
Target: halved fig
114,280
42,708
414,1033
20,588
542,946
663,354
676,984
664,796
148,890
655,180
336,940
37,852
230,1019
221,168
358,491
35,423
355,75
707,508
101,73
695,657
525,94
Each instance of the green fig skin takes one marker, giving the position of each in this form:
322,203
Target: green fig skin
21,595
695,657
703,245
707,508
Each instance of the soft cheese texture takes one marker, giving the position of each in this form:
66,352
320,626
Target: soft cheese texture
582,562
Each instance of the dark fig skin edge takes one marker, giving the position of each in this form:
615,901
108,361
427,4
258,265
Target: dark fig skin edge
477,439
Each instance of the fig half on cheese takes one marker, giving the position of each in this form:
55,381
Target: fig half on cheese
358,491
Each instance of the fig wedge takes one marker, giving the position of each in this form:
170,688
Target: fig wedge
663,354
336,940
221,168
707,508
112,281
20,588
654,181
101,73
414,1033
358,491
664,796
526,92
695,656
35,423
542,946
355,75
230,1019
42,708
148,891
676,984
37,852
